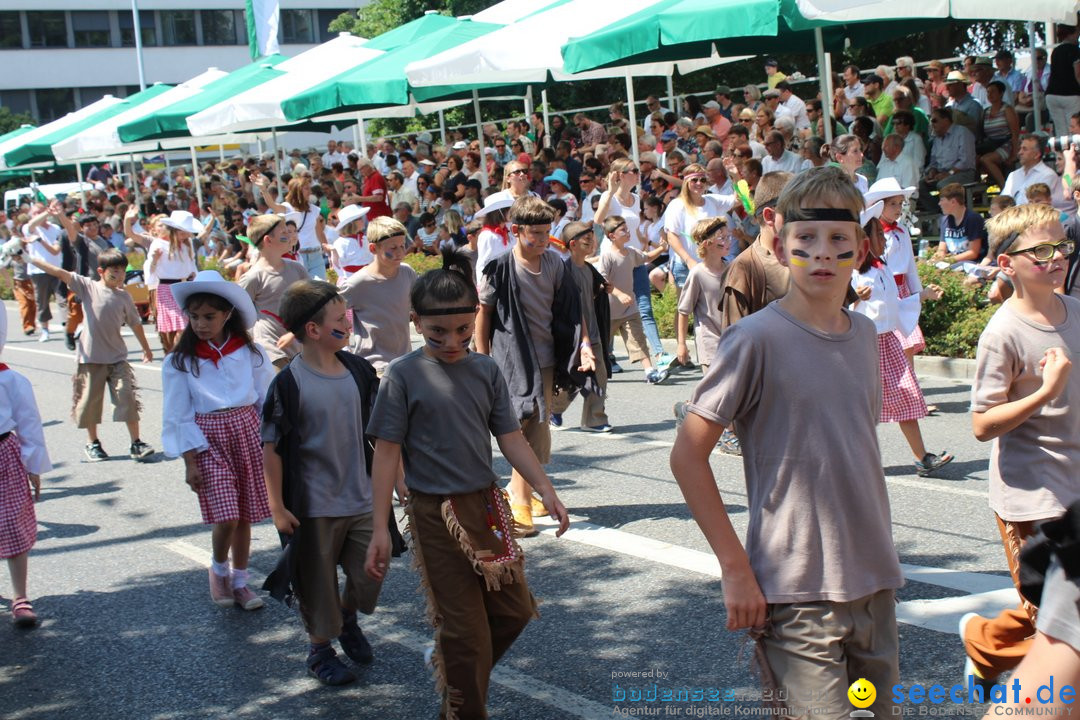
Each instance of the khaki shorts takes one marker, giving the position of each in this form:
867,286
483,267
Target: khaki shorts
89,393
633,335
323,544
535,428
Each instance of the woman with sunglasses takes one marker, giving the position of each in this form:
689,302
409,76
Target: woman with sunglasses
620,200
692,205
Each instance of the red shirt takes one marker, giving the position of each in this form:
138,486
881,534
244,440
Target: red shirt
375,184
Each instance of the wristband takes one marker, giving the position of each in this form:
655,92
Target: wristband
586,345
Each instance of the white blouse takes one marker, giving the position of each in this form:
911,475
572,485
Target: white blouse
900,259
240,378
305,226
488,247
350,251
178,267
18,412
885,307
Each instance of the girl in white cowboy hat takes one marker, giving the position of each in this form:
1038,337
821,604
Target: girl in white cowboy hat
172,260
350,250
267,281
214,383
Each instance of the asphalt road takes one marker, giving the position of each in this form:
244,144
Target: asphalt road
118,577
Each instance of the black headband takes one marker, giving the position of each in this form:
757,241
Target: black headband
580,235
388,237
825,214
301,322
448,311
1007,243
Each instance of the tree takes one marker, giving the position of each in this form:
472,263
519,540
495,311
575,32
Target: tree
10,121
379,16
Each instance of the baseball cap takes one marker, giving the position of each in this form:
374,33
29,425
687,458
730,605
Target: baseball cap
460,145
712,105
668,135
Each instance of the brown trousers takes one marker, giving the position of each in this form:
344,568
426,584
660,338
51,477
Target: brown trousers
997,645
474,624
24,293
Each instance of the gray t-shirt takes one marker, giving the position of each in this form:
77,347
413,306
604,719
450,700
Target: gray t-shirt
1033,467
805,406
536,295
583,278
1059,611
380,314
701,298
332,461
105,311
444,414
618,269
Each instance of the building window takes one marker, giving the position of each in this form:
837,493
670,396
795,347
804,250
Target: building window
219,26
325,18
296,27
17,101
146,21
54,103
47,29
91,28
178,27
10,30
90,95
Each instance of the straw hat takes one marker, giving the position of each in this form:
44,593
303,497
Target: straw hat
210,281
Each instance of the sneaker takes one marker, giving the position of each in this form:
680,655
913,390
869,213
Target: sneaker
679,409
44,336
140,450
655,377
22,613
969,666
605,428
246,598
931,463
96,453
69,341
663,360
729,443
429,658
327,668
355,645
615,368
523,522
220,590
556,420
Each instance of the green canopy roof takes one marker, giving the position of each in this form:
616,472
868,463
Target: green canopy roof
382,82
15,133
40,149
171,121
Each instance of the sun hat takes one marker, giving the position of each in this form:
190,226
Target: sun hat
460,145
560,176
886,188
706,131
183,220
955,76
498,201
350,214
872,212
210,281
293,216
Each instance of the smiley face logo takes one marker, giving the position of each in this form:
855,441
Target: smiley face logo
862,693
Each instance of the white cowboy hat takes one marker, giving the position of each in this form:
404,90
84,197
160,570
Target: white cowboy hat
497,201
886,188
210,281
296,217
871,212
183,220
350,214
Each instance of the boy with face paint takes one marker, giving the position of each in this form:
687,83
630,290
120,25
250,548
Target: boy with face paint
799,382
531,322
378,296
1025,399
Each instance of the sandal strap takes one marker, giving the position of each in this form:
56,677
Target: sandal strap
21,604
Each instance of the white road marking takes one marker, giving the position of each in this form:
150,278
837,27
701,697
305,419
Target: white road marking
381,627
68,356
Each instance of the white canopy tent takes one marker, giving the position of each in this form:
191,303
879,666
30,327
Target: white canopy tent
58,124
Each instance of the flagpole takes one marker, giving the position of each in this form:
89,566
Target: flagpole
138,42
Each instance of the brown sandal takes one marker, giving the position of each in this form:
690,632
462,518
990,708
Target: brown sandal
23,614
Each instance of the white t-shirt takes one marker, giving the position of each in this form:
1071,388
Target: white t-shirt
679,221
632,216
50,233
305,227
178,267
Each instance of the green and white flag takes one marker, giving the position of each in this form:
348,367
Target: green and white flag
262,26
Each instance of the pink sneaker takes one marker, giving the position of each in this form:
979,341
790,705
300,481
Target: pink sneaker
246,598
220,590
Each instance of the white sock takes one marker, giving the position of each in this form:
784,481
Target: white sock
220,569
239,578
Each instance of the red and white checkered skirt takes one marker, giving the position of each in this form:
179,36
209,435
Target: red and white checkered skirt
18,523
915,341
232,467
170,318
901,396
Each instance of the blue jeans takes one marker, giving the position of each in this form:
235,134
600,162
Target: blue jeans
679,270
315,264
643,293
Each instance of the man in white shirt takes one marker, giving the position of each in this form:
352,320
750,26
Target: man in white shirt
44,244
772,101
332,155
778,157
795,105
895,163
589,190
852,89
400,193
1033,170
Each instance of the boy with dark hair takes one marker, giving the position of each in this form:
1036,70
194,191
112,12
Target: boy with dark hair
816,579
962,231
102,354
531,323
318,481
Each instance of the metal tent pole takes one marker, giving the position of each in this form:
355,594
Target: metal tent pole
671,92
528,102
547,120
633,116
1036,91
824,84
277,175
198,177
442,128
362,131
484,180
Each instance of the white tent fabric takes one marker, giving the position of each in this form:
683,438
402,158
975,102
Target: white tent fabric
396,111
857,10
500,56
103,139
260,107
57,124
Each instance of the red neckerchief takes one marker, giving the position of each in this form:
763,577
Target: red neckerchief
499,230
877,262
3,367
205,351
889,227
275,316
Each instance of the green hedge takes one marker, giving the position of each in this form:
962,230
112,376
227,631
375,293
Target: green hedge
953,324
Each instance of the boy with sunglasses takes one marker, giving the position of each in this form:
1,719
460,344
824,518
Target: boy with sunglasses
1025,399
